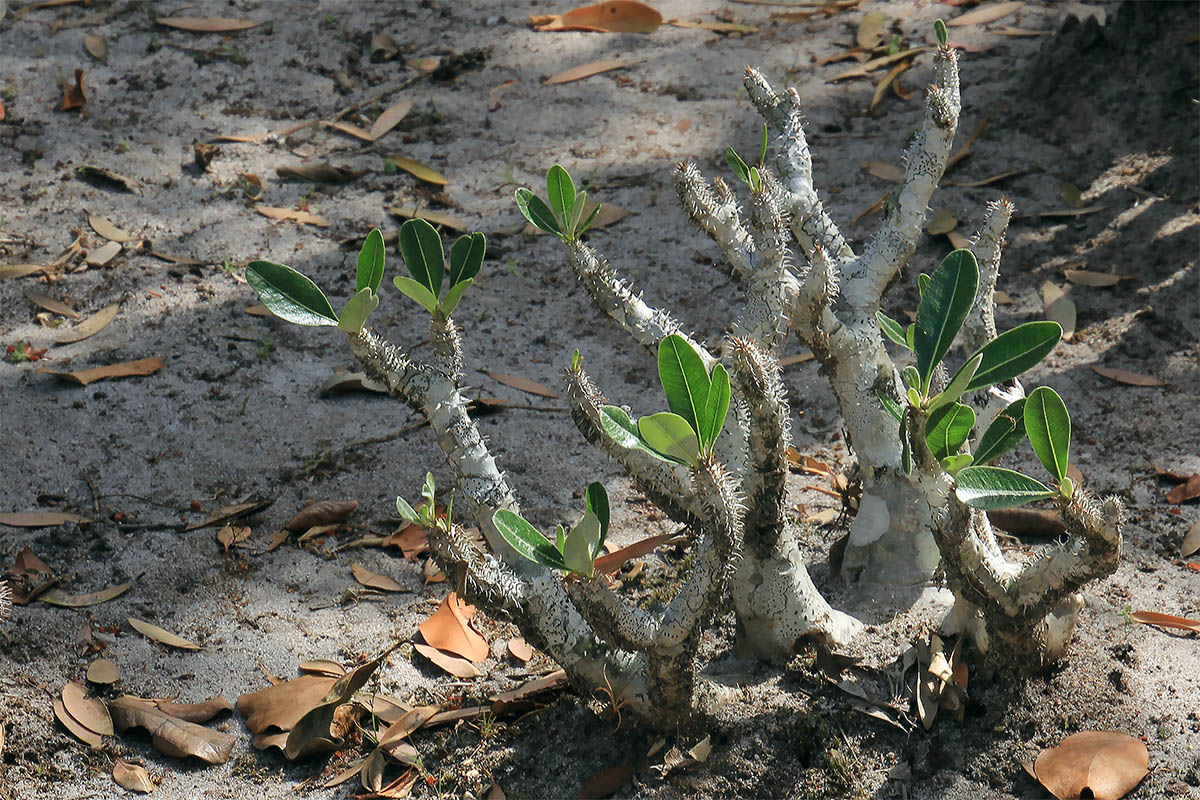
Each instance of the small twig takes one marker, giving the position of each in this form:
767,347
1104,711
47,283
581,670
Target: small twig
379,96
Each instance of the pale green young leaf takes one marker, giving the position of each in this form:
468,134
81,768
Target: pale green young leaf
421,246
736,164
923,283
684,379
581,546
560,537
537,212
715,409
371,262
407,512
466,257
947,428
671,436
289,295
890,405
357,309
1006,432
958,384
943,309
891,329
587,223
1014,351
527,540
990,488
762,150
596,501
450,301
573,222
560,190
618,427
953,464
416,291
1048,427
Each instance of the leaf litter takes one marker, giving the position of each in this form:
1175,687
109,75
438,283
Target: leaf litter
161,635
126,369
169,734
612,16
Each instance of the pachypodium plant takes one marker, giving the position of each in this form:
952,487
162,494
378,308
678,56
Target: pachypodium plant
928,478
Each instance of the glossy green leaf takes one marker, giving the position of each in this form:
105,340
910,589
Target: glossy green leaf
953,464
947,428
618,427
421,246
736,164
990,488
671,436
890,406
560,537
891,329
943,308
587,223
596,501
581,546
289,295
939,30
914,397
762,150
416,291
715,408
923,283
958,384
450,301
1006,432
580,205
560,190
1067,487
406,511
371,262
1048,427
909,333
755,179
466,257
1014,351
905,446
912,378
527,540
359,307
537,212
684,379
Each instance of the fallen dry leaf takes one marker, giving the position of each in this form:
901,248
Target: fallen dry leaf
41,519
411,211
521,384
50,304
161,635
170,735
230,512
887,80
885,170
1106,763
708,25
1191,541
125,369
108,179
321,512
985,14
1188,490
613,16
605,782
22,270
282,705
55,597
90,326
108,230
871,29
1126,377
99,256
1085,277
587,70
411,539
1059,308
416,169
195,712
449,629
208,24
29,577
231,536
613,561
863,70
349,129
523,694
87,711
520,649
373,580
390,117
74,96
132,777
302,217
942,221
454,665
319,730
319,172
103,672
96,47
77,729
322,666
412,720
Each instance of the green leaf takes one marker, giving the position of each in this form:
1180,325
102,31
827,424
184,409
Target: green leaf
466,257
450,301
289,295
416,291
537,212
890,405
737,165
762,150
560,189
939,30
923,283
573,222
914,397
1014,351
947,428
596,501
943,308
359,307
958,384
891,329
684,379
1067,487
954,464
618,427
421,246
671,437
406,511
755,179
912,378
1006,432
1048,426
370,262
582,543
716,408
909,333
990,488
587,223
560,537
905,446
527,540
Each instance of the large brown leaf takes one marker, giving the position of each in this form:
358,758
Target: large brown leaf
611,16
449,629
172,736
283,705
314,733
1107,763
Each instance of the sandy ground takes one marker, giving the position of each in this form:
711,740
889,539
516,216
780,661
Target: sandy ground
236,413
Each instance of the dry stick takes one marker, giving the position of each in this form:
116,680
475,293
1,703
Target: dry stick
379,96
